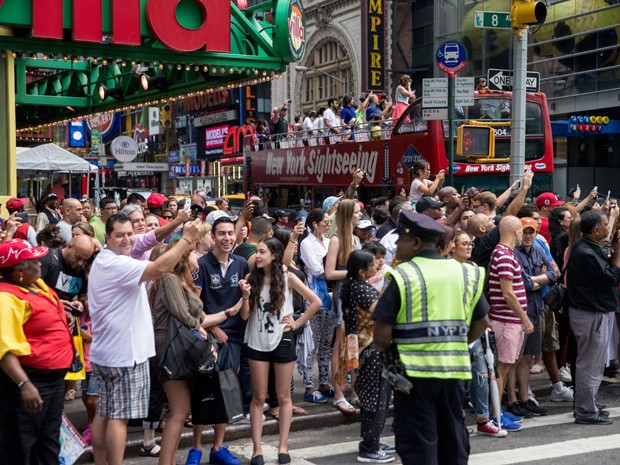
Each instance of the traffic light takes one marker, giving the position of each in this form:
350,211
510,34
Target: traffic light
525,13
475,141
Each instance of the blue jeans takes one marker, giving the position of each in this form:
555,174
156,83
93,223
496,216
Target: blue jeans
479,381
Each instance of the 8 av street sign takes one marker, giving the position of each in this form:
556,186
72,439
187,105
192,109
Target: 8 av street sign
501,79
492,20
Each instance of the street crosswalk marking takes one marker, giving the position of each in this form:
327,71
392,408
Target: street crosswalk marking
306,455
547,451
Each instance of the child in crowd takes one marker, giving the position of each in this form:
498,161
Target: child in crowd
359,299
269,338
378,251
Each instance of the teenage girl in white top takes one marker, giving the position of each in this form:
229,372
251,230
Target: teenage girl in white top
269,339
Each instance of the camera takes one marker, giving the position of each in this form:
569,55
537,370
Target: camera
75,311
393,371
288,101
364,174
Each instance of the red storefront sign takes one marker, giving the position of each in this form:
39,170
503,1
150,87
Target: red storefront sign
213,35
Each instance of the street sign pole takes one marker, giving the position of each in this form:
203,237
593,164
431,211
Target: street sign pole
451,91
517,140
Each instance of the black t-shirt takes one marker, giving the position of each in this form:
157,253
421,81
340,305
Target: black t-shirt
245,250
58,275
388,306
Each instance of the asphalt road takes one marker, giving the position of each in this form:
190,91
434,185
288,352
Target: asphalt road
551,440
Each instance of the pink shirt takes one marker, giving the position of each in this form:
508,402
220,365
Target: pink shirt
143,245
504,265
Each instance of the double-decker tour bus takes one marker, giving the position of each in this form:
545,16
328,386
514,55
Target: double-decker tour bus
321,166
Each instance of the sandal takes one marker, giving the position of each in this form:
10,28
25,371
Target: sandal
275,412
355,401
297,410
150,451
344,406
70,395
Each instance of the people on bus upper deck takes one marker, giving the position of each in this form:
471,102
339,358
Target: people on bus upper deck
402,96
421,185
279,123
319,122
330,118
308,125
482,84
348,112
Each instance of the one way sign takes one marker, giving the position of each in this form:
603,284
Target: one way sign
501,79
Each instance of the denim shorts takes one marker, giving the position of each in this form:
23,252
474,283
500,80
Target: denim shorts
90,385
284,353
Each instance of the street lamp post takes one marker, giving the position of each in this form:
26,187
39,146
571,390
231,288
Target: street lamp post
303,69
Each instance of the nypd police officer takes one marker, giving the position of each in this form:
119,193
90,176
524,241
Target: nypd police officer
430,309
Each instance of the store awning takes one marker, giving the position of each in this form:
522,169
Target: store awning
51,157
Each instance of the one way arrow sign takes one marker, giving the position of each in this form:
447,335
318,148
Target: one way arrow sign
502,79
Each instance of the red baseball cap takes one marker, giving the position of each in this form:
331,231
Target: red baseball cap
548,199
13,205
15,251
156,200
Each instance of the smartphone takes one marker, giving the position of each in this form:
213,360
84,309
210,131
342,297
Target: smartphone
518,185
577,186
187,206
595,188
248,195
608,195
302,220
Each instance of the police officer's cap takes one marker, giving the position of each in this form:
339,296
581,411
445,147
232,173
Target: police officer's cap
417,225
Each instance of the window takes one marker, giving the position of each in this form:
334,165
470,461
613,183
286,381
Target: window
329,68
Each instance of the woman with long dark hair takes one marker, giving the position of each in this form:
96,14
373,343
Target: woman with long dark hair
269,338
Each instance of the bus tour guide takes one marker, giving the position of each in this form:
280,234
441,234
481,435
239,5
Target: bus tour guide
430,309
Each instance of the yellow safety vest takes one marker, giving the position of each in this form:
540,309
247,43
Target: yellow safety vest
437,301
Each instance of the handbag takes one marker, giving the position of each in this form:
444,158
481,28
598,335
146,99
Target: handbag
217,398
187,354
319,287
77,370
557,296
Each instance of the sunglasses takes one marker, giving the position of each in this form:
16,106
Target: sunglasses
167,217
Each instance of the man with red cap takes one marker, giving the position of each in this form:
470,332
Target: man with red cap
25,231
155,203
546,202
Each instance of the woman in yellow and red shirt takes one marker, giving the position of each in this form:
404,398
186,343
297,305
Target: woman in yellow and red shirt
36,350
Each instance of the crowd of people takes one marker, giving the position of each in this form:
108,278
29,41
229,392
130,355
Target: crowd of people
398,284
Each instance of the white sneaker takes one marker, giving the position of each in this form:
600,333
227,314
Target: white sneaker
246,420
565,375
530,395
565,395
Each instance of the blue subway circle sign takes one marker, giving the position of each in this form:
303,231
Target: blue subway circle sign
451,57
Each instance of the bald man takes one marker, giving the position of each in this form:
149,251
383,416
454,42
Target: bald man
508,315
71,214
63,270
450,197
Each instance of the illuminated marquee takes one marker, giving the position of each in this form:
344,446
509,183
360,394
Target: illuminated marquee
373,45
213,35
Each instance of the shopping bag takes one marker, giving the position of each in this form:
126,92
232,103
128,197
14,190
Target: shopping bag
318,285
217,398
77,371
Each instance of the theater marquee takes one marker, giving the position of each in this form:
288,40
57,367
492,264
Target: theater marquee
373,45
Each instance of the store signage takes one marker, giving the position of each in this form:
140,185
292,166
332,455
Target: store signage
141,167
248,115
291,29
124,148
154,121
214,118
126,17
103,122
214,138
204,101
77,136
373,45
235,138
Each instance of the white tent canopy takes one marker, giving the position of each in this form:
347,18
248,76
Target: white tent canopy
51,157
